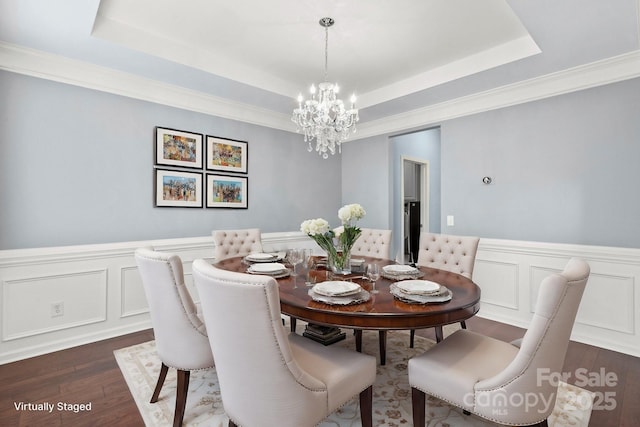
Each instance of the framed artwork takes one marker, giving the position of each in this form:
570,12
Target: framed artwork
224,191
226,155
178,148
178,188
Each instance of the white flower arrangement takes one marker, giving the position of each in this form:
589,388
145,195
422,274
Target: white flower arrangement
350,213
313,227
319,230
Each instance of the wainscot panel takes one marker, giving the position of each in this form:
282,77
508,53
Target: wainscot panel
608,312
102,293
61,297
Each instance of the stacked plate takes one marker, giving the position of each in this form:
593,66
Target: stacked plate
401,272
274,269
420,291
338,292
262,257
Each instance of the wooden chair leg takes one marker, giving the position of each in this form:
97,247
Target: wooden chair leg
418,401
463,324
366,407
181,397
163,374
412,338
382,337
439,333
358,333
293,322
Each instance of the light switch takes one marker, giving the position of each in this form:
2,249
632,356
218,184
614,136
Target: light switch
450,221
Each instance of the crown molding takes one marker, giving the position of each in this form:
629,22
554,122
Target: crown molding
610,70
35,63
44,65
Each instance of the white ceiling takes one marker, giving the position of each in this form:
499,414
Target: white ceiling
384,51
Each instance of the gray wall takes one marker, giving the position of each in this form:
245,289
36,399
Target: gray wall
566,169
372,175
365,179
76,167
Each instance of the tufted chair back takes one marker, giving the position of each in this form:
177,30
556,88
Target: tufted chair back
447,252
267,377
231,243
373,243
480,374
180,335
545,343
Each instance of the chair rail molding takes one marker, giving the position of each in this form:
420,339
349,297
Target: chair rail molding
102,296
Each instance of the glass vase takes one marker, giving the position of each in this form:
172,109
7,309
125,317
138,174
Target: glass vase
340,264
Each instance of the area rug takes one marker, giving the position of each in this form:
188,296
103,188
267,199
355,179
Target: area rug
391,401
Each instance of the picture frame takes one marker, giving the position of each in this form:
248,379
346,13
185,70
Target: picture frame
179,148
227,155
175,188
227,191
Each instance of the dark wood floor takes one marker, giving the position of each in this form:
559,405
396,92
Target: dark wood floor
90,374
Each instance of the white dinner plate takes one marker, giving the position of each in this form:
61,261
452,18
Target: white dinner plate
399,268
418,287
443,296
267,267
336,288
261,256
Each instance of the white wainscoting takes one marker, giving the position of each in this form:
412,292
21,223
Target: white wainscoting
509,274
102,295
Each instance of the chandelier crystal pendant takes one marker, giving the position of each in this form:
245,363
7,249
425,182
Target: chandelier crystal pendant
324,116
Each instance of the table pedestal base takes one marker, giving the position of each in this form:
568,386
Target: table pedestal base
323,334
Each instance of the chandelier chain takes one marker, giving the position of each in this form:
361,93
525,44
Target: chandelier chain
326,53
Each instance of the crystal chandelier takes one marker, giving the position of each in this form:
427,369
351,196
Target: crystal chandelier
324,116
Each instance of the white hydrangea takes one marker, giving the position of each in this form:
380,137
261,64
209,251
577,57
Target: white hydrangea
352,212
313,227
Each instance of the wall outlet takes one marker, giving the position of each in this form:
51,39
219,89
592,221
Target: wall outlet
57,309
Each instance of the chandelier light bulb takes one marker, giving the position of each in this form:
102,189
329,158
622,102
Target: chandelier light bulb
324,116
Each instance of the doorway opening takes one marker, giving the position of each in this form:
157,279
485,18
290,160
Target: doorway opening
415,206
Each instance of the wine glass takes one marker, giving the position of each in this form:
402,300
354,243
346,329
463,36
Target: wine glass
295,257
308,263
373,274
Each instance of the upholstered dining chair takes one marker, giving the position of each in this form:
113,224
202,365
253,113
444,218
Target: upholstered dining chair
456,254
232,243
377,244
270,377
373,243
180,335
482,375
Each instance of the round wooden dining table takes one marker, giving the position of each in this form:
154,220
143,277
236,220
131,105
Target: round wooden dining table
382,312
